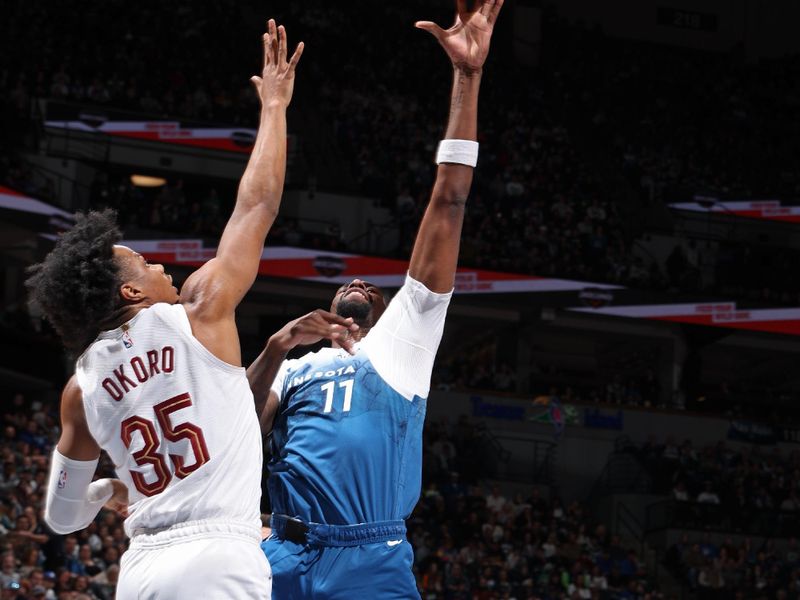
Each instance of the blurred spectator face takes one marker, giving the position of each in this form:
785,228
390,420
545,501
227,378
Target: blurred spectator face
112,574
70,543
9,563
36,578
85,553
64,580
23,523
81,583
111,555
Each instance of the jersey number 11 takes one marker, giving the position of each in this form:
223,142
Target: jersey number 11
347,384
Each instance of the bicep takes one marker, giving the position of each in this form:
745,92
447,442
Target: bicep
221,283
213,290
403,344
76,441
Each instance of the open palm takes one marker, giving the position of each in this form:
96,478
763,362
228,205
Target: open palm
467,41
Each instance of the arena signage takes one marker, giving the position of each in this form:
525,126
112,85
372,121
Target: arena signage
340,267
481,408
135,125
749,431
24,210
770,210
597,419
713,314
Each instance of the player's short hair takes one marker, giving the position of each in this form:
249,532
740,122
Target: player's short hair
76,286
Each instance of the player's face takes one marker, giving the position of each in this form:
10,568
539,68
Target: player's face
360,300
149,278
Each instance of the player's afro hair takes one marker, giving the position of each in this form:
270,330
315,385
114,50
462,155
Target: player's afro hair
76,286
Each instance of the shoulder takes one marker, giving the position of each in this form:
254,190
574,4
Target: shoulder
420,296
168,311
72,391
72,401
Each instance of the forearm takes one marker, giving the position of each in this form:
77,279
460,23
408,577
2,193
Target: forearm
262,373
262,182
73,500
435,254
462,123
453,181
257,203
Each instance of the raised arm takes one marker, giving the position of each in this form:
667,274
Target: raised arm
212,293
308,329
435,254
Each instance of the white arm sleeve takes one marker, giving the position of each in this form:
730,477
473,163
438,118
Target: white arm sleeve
402,346
73,500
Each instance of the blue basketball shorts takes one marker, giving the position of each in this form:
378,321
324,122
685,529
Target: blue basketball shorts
379,570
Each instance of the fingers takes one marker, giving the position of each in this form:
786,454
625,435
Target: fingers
273,41
282,45
347,344
431,28
341,336
256,81
276,46
462,9
493,10
335,328
486,7
265,40
332,317
296,56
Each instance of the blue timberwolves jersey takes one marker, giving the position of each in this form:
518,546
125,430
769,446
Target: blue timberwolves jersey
347,439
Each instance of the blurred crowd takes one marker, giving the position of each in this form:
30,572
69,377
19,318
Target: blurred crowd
683,122
470,542
34,562
739,570
478,542
717,486
480,362
664,118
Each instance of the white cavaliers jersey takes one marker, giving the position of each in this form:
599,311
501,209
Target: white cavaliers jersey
179,424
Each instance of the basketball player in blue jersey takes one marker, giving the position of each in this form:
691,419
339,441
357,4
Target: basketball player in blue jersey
347,421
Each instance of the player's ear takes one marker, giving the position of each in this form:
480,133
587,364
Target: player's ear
130,292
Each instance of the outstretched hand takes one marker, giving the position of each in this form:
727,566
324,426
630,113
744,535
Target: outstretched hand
276,83
467,41
315,326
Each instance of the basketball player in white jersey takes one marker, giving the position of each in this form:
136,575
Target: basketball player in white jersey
159,385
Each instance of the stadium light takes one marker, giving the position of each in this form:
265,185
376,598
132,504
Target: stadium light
147,181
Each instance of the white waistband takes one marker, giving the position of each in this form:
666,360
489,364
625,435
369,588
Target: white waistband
192,529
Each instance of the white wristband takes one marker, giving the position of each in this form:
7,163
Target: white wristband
459,152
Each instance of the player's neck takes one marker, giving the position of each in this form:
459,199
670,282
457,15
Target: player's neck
122,315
